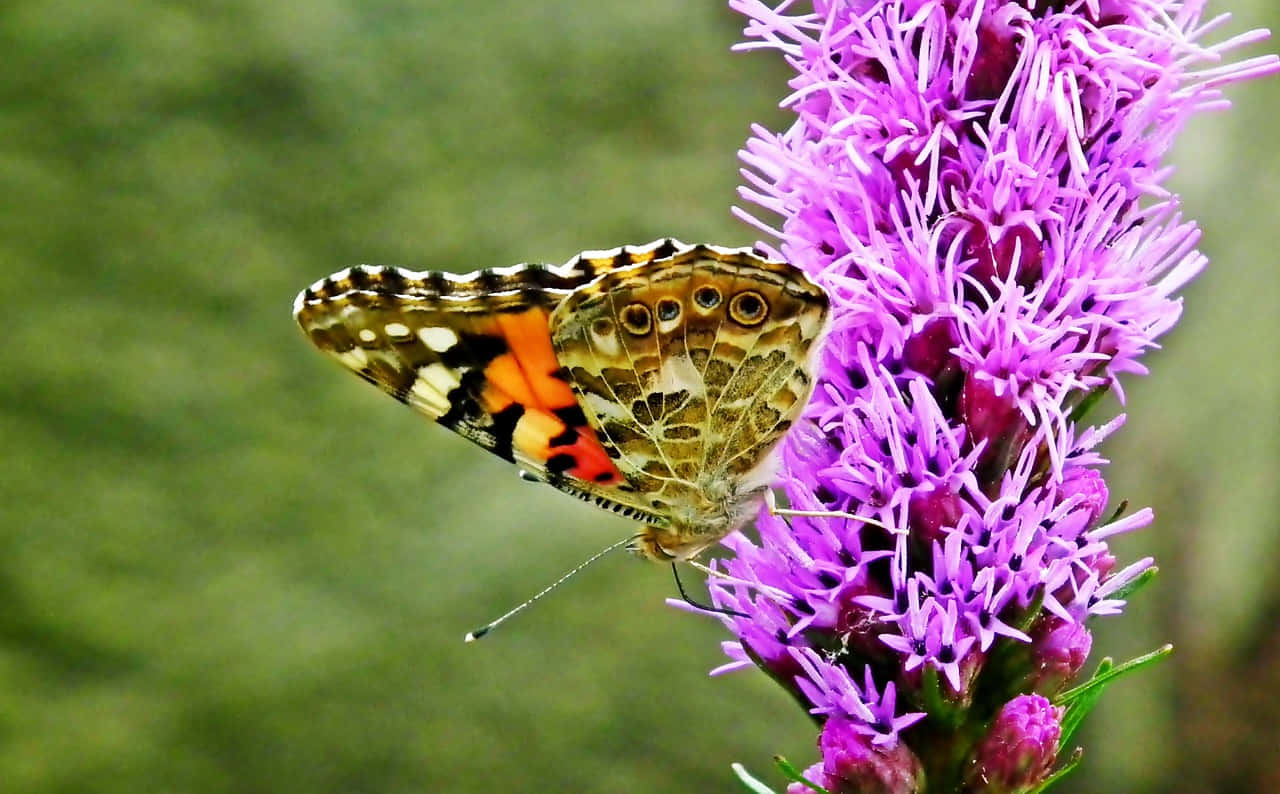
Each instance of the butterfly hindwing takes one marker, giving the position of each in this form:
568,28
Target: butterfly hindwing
691,369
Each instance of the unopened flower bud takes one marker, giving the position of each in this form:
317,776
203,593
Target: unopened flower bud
859,627
851,764
1017,252
1088,486
993,418
931,512
928,351
1059,649
996,55
1019,748
1102,563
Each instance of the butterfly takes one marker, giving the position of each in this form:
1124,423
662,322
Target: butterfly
654,381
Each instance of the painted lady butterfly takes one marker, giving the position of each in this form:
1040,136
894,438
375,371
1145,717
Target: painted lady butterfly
653,381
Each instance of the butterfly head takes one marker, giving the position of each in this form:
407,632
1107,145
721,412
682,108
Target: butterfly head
659,544
696,522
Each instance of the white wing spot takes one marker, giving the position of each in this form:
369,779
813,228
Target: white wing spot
438,339
367,335
606,344
679,374
438,377
432,401
355,358
397,329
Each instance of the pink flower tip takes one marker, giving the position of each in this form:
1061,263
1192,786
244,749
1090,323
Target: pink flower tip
1019,748
852,764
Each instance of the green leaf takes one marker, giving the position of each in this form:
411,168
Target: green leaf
1140,581
1079,706
1107,671
1090,400
1119,511
1033,612
1079,701
748,781
796,776
1067,769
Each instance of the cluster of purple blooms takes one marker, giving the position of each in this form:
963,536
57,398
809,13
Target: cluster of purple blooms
978,185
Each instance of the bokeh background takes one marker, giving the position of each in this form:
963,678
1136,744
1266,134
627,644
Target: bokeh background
227,566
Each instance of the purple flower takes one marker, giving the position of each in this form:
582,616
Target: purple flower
1019,749
978,185
835,694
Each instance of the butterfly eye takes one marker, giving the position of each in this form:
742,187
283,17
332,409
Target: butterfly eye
668,309
748,308
636,319
707,297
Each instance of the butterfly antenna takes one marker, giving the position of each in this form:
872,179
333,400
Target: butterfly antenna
685,597
472,636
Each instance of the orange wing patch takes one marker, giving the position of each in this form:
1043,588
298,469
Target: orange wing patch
552,431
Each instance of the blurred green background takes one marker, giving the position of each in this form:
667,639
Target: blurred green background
227,566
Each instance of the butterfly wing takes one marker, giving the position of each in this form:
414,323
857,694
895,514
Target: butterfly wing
473,353
652,381
690,368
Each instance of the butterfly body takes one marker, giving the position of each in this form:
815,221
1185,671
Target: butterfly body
653,381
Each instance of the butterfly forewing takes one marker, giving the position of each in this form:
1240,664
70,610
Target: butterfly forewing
474,353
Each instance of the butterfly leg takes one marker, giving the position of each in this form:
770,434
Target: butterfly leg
685,596
772,592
